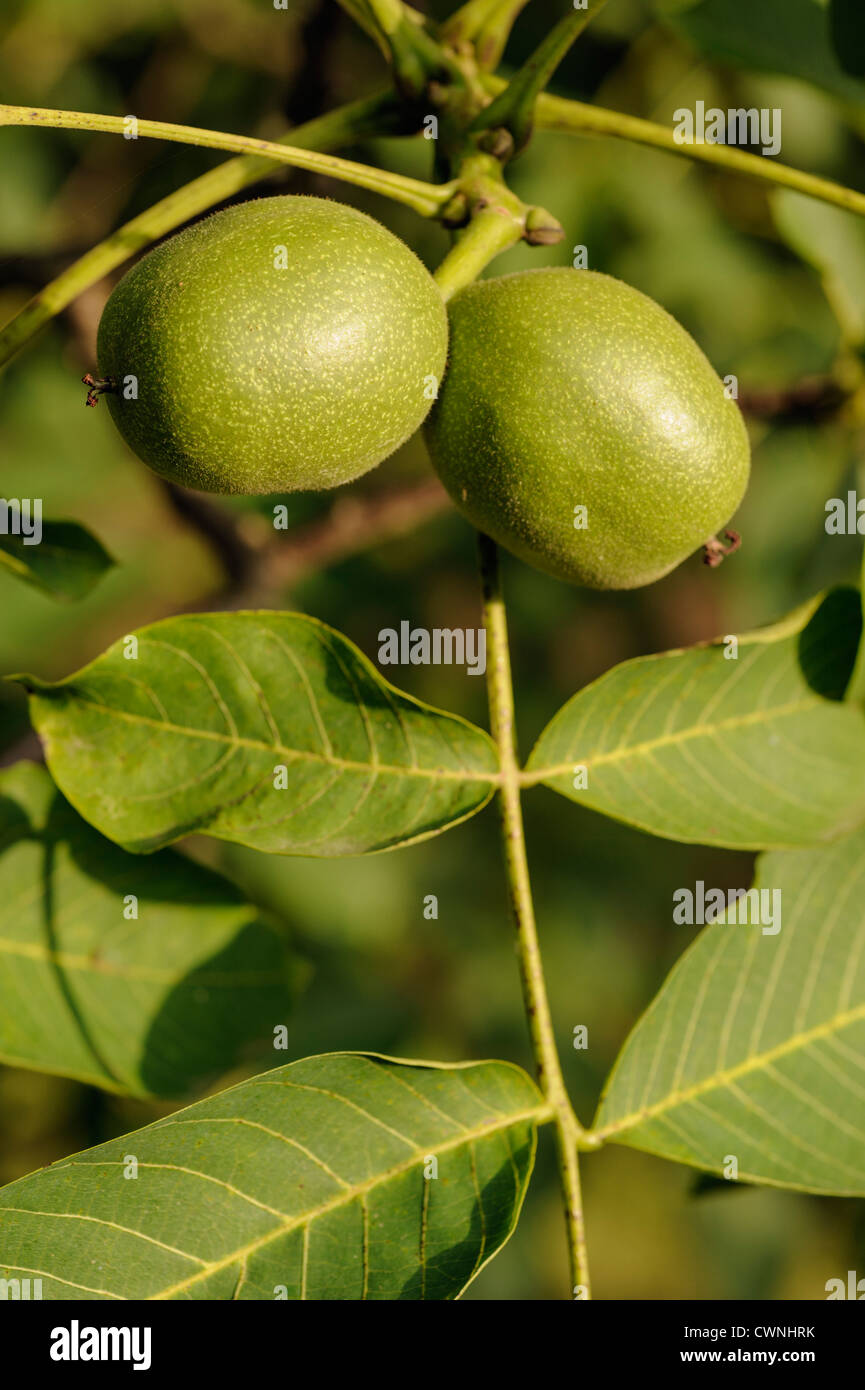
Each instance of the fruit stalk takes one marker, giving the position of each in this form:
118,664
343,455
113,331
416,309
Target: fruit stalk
488,233
569,1132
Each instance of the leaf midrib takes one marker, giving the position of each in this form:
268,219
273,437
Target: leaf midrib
159,974
437,774
539,1114
533,775
718,1080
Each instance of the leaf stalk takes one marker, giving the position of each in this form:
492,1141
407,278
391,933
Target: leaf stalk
570,1135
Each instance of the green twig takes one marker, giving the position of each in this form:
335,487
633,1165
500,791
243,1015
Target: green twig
389,15
486,23
415,55
372,115
514,108
569,1132
489,232
425,198
359,11
492,37
410,56
468,20
558,113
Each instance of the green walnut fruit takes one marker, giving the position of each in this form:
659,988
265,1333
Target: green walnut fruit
287,343
582,428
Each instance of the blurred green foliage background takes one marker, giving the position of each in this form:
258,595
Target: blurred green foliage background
703,243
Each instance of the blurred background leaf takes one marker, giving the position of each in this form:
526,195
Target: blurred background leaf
66,561
834,243
785,36
143,975
847,30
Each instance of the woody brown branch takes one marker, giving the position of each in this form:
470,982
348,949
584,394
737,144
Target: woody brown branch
260,563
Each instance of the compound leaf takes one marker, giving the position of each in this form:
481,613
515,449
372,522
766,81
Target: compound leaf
139,976
754,1047
756,752
270,729
345,1176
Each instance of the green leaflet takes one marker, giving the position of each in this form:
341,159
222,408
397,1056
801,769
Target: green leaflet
142,1006
67,563
755,1045
753,753
306,1182
199,730
790,37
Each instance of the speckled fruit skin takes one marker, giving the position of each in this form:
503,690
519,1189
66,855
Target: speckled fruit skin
568,388
254,378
